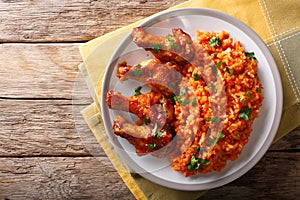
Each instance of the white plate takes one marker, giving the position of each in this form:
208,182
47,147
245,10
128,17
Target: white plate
264,128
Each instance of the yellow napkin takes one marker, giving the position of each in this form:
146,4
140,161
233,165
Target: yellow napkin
277,24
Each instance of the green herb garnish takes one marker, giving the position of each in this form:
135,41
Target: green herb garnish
184,102
245,113
195,163
171,85
213,88
183,91
250,55
196,77
151,146
171,43
157,48
194,101
216,139
227,69
137,91
214,41
242,100
248,94
214,119
213,69
176,99
257,89
146,120
137,72
219,64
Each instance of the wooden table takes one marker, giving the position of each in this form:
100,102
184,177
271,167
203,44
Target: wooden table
42,155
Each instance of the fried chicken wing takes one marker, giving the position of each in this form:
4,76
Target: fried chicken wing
176,48
150,107
144,138
161,78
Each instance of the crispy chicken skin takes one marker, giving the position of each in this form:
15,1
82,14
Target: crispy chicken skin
161,78
144,138
176,48
150,107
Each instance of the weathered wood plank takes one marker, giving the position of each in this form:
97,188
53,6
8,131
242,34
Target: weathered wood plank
289,142
94,178
77,20
275,177
60,178
38,70
44,128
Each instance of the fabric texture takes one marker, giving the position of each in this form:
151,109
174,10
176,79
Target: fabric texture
276,22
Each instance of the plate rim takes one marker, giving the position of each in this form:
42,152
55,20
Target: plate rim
276,80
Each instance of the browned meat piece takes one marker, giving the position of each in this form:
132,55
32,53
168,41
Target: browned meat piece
176,48
161,78
144,138
150,107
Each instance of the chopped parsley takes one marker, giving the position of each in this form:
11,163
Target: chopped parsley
219,64
214,119
242,100
227,69
231,73
213,88
156,133
157,47
149,72
183,91
196,77
137,65
171,85
146,120
216,139
257,89
176,99
159,134
213,69
250,55
194,101
151,146
248,94
137,72
185,102
171,43
195,163
245,113
214,41
137,91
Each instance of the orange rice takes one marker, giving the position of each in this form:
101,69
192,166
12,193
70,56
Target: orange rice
227,97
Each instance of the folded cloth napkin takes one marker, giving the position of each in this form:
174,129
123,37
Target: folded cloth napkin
277,23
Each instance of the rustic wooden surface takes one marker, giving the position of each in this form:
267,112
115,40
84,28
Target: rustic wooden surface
42,152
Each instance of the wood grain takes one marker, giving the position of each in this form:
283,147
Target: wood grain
38,70
60,178
95,178
44,128
77,20
275,177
